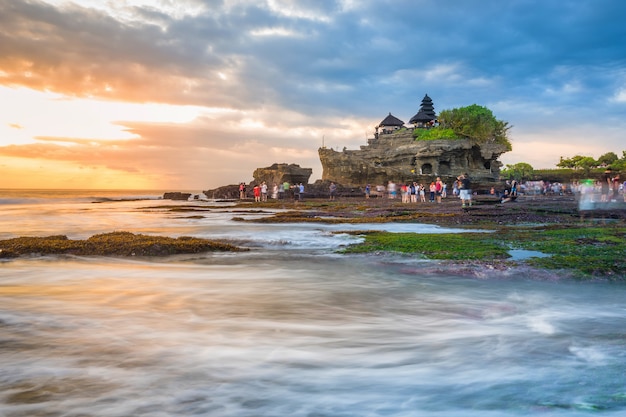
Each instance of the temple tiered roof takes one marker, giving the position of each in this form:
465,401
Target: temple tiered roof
426,113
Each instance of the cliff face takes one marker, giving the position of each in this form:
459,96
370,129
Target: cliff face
398,157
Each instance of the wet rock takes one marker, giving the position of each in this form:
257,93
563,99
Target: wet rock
176,196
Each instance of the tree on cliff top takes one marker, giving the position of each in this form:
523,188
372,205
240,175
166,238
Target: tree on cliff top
473,122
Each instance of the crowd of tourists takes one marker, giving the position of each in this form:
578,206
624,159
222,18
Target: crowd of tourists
609,188
412,192
261,191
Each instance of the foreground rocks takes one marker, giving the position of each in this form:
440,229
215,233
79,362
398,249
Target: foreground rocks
110,244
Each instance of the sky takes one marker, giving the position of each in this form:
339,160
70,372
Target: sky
195,94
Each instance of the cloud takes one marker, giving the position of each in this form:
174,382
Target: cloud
260,81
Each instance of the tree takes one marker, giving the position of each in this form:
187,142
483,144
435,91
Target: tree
476,123
620,164
577,162
521,171
565,163
607,159
586,163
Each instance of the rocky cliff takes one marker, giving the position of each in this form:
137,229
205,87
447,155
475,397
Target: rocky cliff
400,158
279,173
274,174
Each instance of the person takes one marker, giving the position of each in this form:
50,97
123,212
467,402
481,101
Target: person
332,189
275,191
615,187
404,191
433,190
286,187
606,184
391,188
281,192
465,190
301,190
368,190
296,193
508,192
585,200
264,191
414,191
422,193
514,187
257,193
438,189
242,191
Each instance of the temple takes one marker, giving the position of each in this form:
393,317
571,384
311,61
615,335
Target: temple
393,154
426,115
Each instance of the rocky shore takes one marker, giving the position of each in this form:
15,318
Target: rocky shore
560,236
486,211
550,231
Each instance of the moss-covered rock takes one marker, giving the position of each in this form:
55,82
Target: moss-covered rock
110,244
588,251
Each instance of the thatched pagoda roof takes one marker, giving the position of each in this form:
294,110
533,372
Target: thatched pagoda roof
421,117
391,120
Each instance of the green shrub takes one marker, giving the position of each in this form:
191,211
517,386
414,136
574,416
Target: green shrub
434,134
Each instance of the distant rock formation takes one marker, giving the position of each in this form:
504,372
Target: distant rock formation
399,157
176,196
275,174
279,173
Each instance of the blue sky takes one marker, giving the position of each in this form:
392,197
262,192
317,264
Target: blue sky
194,94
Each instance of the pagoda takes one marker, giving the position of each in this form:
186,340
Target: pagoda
426,114
389,125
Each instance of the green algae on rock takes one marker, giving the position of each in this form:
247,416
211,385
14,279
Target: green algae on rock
110,244
449,246
587,251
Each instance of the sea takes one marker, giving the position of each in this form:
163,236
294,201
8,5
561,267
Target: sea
292,327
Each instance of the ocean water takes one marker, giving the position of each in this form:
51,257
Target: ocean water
290,328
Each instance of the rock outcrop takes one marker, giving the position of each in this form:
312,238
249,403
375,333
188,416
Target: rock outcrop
275,174
176,196
400,158
279,173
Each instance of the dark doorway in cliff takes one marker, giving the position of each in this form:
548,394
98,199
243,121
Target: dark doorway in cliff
427,169
488,165
444,168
